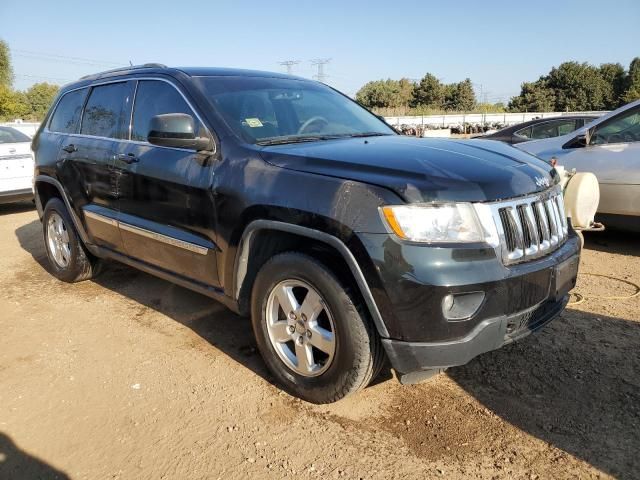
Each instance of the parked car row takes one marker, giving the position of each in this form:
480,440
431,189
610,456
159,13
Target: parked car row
16,166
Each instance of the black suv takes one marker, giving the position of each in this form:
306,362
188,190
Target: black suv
346,243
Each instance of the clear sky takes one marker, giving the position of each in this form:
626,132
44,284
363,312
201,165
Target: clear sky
497,44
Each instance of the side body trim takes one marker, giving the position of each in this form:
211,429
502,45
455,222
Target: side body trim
164,238
169,240
245,245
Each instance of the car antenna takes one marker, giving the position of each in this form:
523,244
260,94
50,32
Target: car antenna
130,63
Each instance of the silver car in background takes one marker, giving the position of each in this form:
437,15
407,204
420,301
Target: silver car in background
609,147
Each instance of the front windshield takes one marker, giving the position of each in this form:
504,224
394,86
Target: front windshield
267,110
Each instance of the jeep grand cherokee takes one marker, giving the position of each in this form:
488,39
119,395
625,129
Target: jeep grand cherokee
346,243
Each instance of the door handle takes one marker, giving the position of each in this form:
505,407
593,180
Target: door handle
70,148
127,158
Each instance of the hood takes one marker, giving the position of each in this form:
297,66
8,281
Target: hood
421,170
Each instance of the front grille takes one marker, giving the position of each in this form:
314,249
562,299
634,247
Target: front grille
531,319
531,227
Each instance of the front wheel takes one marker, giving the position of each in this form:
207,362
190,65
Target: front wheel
314,337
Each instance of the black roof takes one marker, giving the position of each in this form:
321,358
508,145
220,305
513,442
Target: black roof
152,68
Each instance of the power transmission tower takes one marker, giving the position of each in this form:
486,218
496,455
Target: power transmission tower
289,64
321,76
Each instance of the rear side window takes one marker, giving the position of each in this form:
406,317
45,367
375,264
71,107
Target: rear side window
524,132
67,113
157,98
105,111
11,135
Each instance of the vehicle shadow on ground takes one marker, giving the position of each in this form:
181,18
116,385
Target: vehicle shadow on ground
18,207
616,241
16,463
574,385
217,325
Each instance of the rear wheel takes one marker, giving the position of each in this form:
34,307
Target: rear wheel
315,337
69,261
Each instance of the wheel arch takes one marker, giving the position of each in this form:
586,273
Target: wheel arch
46,188
281,237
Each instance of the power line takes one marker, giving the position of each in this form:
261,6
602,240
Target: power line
42,77
321,76
289,64
66,58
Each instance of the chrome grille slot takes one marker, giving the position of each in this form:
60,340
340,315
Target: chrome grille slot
530,227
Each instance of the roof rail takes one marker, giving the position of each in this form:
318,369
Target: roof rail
123,69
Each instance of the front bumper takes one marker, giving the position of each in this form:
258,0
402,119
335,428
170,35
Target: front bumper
490,334
412,281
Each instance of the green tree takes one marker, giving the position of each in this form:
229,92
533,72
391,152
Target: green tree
632,82
6,71
614,76
534,97
39,98
386,93
12,104
429,92
461,97
577,87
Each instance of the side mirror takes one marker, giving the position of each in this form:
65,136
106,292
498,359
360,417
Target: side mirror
176,130
579,141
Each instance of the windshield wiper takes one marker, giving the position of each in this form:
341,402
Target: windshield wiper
368,134
295,139
317,138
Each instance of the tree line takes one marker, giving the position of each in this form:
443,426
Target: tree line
572,86
30,104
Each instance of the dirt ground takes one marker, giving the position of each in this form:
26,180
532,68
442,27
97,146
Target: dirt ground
129,376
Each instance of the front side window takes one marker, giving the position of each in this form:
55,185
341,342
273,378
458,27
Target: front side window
67,113
266,110
623,129
104,114
11,135
154,97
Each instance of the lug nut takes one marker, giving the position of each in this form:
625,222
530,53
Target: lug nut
291,329
292,316
299,340
303,317
308,333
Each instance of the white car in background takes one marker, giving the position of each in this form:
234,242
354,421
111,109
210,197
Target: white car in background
609,147
16,166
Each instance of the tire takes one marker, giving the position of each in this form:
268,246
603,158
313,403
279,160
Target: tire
357,353
76,263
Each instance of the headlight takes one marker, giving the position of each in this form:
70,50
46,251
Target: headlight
450,223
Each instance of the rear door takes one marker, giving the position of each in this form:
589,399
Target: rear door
165,200
86,164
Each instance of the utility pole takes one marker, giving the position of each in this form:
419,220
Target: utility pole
289,64
321,76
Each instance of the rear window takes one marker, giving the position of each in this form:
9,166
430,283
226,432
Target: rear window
67,113
11,135
104,114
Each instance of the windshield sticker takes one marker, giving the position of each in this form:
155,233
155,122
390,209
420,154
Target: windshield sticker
253,122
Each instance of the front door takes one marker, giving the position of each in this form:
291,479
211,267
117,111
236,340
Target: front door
613,155
166,206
